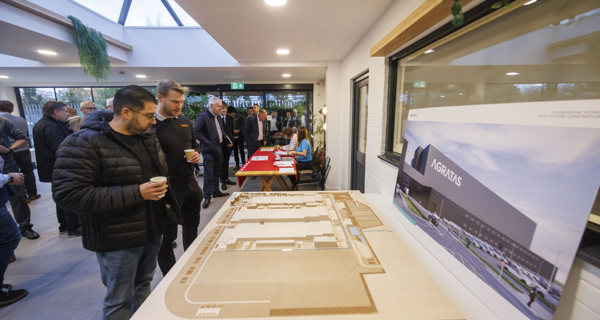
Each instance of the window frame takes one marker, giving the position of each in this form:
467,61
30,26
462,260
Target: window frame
479,11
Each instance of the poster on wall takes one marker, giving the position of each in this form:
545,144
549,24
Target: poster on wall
507,189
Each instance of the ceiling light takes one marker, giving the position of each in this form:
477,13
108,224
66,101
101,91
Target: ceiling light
283,52
530,2
141,76
429,51
3,76
512,73
47,52
286,75
276,3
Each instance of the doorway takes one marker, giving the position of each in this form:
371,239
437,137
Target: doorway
360,109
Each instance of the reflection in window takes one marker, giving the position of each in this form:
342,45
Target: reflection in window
541,52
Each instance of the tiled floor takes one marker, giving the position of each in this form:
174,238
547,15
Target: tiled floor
62,278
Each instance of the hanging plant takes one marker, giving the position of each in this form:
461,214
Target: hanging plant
92,50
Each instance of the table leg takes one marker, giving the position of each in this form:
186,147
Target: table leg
282,183
266,183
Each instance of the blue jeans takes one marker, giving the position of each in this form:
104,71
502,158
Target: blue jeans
127,274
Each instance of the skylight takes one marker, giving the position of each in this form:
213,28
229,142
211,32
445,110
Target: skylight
144,13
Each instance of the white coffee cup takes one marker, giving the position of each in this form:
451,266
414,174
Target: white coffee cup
159,179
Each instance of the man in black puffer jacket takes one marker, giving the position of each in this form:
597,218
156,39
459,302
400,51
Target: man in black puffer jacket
102,173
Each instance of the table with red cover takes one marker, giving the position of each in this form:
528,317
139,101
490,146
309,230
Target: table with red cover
264,169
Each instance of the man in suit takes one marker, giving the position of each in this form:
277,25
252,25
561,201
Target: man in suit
238,136
209,130
228,128
256,132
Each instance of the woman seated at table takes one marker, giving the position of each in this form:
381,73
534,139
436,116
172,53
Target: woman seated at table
302,153
288,133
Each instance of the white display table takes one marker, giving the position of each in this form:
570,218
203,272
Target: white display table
312,255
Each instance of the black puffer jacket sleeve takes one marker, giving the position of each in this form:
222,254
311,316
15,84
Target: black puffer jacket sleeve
78,183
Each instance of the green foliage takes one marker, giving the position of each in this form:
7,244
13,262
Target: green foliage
92,50
457,14
30,96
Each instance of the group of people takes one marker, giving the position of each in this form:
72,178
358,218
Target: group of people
104,169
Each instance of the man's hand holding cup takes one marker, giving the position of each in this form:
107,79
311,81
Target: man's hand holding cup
155,189
192,156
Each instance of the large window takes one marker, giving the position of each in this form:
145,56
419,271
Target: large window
545,51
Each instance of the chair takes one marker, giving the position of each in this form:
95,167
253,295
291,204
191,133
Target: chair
316,165
318,178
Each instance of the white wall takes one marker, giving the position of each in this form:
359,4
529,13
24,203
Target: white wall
473,297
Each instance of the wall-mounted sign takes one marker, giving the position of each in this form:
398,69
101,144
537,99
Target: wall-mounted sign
237,85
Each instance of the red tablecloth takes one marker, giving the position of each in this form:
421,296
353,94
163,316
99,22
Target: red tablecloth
260,167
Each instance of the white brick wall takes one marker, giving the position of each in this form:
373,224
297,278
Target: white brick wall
580,298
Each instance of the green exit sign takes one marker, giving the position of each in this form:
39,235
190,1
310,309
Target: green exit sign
419,84
237,85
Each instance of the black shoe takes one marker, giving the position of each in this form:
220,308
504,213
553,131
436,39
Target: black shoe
223,186
229,182
205,203
74,234
220,194
30,234
34,197
6,287
12,258
11,296
174,244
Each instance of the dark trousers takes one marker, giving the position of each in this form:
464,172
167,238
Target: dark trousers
20,208
9,239
238,149
189,197
212,165
300,166
224,171
252,147
67,220
23,160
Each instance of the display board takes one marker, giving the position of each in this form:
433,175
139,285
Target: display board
507,189
303,254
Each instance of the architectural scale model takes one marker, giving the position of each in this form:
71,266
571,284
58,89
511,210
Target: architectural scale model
273,254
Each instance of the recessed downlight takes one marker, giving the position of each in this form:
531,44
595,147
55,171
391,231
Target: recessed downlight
3,76
286,75
283,51
530,2
512,73
141,76
276,3
47,52
429,51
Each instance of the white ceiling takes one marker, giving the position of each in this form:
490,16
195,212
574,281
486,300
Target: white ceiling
315,31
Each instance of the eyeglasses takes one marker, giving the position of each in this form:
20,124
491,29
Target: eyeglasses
149,116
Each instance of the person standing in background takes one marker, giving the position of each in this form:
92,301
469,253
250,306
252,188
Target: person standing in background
48,133
11,139
209,130
109,104
22,156
238,137
175,133
228,129
256,132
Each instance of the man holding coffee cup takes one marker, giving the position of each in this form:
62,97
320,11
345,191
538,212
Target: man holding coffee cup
176,135
103,173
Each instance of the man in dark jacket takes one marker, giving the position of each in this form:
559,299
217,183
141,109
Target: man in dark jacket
228,129
175,133
256,131
209,130
48,133
102,172
238,136
12,138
